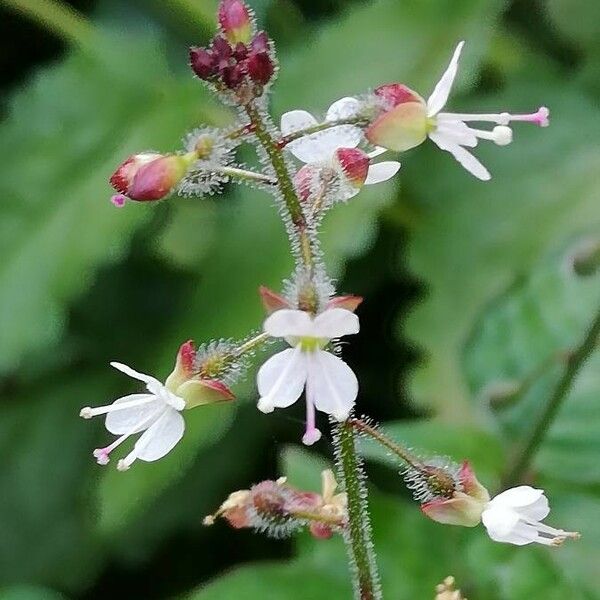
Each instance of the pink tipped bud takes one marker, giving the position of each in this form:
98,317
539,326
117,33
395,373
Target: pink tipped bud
260,43
272,301
321,531
203,62
260,67
396,93
156,179
235,21
123,177
150,176
306,180
350,303
354,163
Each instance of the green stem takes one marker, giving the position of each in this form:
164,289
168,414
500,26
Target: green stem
286,139
379,437
251,344
575,361
357,534
244,175
57,17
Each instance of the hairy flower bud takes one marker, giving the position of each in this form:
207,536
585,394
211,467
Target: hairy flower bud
203,62
461,505
150,176
235,21
185,382
260,67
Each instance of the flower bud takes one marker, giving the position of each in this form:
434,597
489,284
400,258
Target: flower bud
403,124
146,177
464,505
203,62
260,67
185,382
235,21
354,164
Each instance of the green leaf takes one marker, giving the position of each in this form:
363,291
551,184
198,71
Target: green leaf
524,338
471,239
29,592
86,115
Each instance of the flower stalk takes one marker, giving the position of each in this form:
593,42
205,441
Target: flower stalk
358,534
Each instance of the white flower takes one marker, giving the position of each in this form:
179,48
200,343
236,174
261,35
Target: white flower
156,414
515,516
330,384
409,120
320,148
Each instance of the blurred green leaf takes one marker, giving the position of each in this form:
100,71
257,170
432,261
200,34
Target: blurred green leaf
471,239
525,336
65,134
27,592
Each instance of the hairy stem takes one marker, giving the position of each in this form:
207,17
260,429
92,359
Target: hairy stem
286,139
57,17
245,175
575,361
382,439
358,534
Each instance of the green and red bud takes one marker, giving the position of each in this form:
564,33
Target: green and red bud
354,164
403,124
271,300
460,507
147,177
235,21
349,302
185,382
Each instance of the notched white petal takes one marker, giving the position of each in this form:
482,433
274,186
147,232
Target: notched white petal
464,157
288,322
336,322
161,437
281,379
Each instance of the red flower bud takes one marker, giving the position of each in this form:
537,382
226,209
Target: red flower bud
235,21
260,67
122,178
354,164
350,303
260,43
203,62
157,178
233,75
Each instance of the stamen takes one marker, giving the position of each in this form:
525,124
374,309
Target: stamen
125,463
102,454
312,434
87,412
540,117
119,200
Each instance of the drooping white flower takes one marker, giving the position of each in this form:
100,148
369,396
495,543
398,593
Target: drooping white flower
156,414
515,516
321,149
408,120
330,383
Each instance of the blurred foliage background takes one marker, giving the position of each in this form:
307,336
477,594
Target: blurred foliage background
467,294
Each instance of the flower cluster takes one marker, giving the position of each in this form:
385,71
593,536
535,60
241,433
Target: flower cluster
309,165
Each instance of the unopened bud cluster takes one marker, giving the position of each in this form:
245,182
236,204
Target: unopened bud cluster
278,509
238,59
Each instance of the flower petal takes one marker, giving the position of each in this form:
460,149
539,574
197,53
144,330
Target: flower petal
129,371
457,131
335,322
161,437
295,120
464,157
440,94
333,384
281,379
344,108
288,322
518,497
503,525
382,171
136,418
